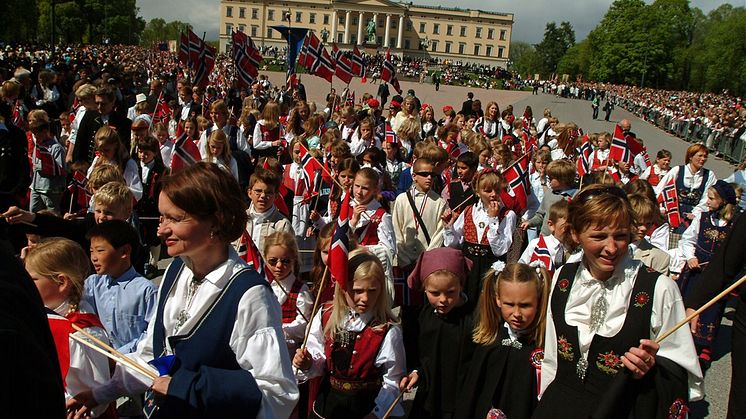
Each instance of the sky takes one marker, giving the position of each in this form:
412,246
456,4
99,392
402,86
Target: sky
531,16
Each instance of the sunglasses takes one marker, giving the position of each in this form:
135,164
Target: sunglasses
426,174
283,261
589,194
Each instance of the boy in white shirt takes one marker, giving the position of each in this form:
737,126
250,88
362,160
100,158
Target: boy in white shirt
557,224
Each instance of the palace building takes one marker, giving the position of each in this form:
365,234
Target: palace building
407,29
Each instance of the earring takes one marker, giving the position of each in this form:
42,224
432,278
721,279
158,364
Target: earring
212,235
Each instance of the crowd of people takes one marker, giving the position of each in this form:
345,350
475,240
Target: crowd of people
489,295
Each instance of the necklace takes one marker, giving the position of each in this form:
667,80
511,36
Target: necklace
188,299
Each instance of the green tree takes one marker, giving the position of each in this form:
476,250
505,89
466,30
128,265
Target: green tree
20,19
576,60
524,59
557,40
92,21
158,30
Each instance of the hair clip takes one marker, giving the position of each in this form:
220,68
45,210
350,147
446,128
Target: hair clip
498,266
537,265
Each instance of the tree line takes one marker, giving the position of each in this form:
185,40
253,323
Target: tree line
665,44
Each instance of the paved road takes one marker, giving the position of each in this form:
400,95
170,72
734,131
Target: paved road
717,382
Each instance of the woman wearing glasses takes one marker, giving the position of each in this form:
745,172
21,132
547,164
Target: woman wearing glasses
604,315
217,316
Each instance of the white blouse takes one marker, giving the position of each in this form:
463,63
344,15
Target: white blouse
295,330
668,309
499,232
691,180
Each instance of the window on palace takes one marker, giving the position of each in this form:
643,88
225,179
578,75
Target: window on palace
312,18
242,28
254,31
476,49
298,17
449,30
436,29
354,21
422,27
407,44
463,31
488,51
229,11
255,13
381,23
448,47
341,20
326,19
500,52
228,28
434,46
410,28
269,33
479,33
270,14
380,40
461,48
392,42
241,12
490,33
503,33
353,39
339,38
393,23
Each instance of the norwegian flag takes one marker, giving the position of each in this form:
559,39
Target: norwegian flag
202,57
304,50
317,60
358,64
311,167
645,156
390,136
17,117
339,249
619,150
541,253
79,189
183,55
518,180
162,110
343,65
248,252
614,173
584,157
388,73
670,200
526,121
185,153
350,99
49,166
246,58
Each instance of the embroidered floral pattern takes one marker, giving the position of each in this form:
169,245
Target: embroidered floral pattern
495,413
641,298
609,362
678,409
563,284
537,357
564,347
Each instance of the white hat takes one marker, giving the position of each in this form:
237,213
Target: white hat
140,98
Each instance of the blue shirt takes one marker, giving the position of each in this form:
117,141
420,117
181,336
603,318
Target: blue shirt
125,306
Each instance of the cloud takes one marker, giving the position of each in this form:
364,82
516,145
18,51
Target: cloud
530,16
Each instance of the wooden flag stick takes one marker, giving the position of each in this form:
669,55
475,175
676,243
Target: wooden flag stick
19,222
315,305
110,352
393,405
701,309
284,291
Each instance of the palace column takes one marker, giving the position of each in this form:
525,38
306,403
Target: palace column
346,38
387,31
334,26
361,15
375,20
400,33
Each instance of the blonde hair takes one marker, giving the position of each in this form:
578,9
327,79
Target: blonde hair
114,195
106,136
487,179
286,240
103,174
488,317
362,264
271,115
59,256
726,211
218,137
85,91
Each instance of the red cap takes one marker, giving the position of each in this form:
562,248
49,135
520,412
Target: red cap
373,103
395,104
447,108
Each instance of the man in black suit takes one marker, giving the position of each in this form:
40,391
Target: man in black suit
383,93
105,100
466,106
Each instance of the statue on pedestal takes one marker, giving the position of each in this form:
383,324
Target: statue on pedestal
324,35
371,32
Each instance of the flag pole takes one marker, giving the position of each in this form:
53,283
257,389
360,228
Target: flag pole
316,304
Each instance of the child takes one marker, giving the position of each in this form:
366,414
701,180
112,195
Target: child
164,140
658,170
557,225
58,267
394,164
357,326
458,192
484,231
320,257
266,138
311,132
698,244
123,300
647,215
345,174
294,179
603,317
504,373
264,217
442,331
296,301
538,179
151,171
112,151
349,124
48,178
600,156
369,220
363,138
561,175
219,152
